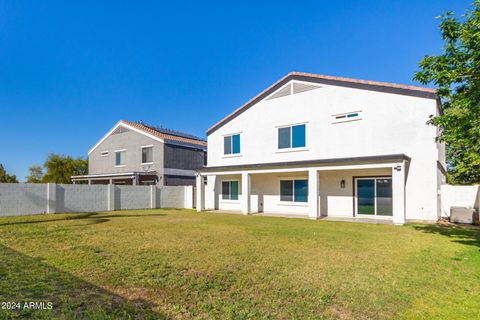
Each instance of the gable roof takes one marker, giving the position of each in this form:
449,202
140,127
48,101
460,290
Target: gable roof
329,80
158,134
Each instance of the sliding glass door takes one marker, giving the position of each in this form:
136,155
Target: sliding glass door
373,196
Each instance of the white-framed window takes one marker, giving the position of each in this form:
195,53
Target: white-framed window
230,190
294,190
147,154
347,117
120,158
231,144
104,153
292,136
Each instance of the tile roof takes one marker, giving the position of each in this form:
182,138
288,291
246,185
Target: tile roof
165,136
366,84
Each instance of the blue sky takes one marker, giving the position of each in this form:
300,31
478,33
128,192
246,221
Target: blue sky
70,70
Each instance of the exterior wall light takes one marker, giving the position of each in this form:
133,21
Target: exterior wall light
342,184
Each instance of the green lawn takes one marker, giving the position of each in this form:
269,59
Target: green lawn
181,264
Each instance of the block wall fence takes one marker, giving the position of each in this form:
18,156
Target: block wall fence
17,199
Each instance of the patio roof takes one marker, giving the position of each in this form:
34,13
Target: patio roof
310,163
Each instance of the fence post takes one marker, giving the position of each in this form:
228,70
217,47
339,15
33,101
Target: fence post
153,197
111,197
51,197
188,195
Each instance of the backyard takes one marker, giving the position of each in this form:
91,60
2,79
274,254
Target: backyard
180,264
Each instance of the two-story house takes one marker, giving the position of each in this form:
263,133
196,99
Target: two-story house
136,153
321,146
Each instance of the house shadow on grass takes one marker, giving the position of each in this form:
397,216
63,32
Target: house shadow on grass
467,235
94,217
27,279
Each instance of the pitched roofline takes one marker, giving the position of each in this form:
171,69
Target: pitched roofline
126,125
329,80
147,131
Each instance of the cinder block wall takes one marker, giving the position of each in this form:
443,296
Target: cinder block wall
28,199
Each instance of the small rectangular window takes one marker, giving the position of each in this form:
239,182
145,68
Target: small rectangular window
104,153
230,190
294,190
292,137
231,144
120,158
147,155
346,117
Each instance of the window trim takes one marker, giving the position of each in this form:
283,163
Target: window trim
120,165
230,188
143,147
104,153
292,149
231,154
293,202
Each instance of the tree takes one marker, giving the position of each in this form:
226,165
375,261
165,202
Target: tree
35,174
5,177
456,72
60,168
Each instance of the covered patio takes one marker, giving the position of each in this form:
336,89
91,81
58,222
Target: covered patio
127,178
355,189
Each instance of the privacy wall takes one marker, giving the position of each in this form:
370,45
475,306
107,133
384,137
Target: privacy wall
28,199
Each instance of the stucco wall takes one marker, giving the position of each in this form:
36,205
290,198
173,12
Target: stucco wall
131,141
339,202
391,124
459,196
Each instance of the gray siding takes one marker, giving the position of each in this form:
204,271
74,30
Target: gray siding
179,157
131,141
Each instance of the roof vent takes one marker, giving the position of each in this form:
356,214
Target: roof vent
285,91
302,87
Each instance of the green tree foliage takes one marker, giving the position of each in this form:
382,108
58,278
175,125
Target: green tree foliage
35,174
456,72
60,168
5,177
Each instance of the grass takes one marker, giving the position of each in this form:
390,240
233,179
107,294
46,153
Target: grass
176,264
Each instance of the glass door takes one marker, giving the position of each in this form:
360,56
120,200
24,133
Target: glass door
366,196
373,196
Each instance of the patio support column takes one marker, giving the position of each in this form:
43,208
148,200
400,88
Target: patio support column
245,201
313,194
398,193
200,193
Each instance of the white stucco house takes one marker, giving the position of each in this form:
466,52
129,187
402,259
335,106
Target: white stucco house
320,146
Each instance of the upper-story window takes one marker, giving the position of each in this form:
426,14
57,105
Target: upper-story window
104,153
292,137
120,158
231,144
147,154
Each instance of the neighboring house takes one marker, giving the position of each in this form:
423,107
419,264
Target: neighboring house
136,153
322,146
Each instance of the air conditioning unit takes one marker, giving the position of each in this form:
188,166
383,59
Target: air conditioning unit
463,215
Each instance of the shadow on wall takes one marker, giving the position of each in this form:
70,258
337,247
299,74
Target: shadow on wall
26,279
92,217
465,235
